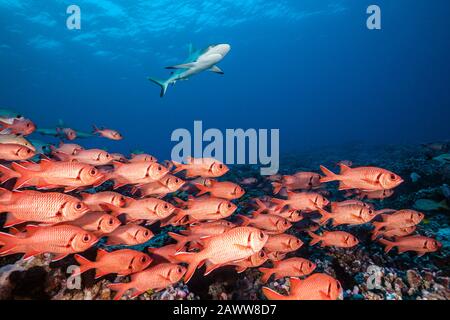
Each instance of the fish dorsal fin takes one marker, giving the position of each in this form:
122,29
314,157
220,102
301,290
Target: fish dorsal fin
295,284
101,253
31,229
45,164
344,168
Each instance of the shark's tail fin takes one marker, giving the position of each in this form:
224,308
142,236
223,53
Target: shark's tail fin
162,84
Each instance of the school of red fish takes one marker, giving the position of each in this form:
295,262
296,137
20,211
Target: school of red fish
51,206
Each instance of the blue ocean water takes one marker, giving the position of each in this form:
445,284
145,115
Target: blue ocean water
310,68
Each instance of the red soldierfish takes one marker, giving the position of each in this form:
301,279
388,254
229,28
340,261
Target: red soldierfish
232,246
60,240
318,286
339,239
48,208
225,190
201,167
156,278
419,244
123,262
107,133
298,181
363,178
129,235
293,267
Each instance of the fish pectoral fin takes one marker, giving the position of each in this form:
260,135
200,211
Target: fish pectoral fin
182,66
216,69
324,296
241,247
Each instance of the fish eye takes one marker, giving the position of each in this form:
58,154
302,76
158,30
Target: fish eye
159,168
393,177
146,233
261,254
338,285
229,205
309,264
166,206
78,205
370,211
28,125
111,222
86,238
143,259
176,180
261,235
179,270
220,166
93,172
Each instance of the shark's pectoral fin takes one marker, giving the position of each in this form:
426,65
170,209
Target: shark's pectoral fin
216,69
182,66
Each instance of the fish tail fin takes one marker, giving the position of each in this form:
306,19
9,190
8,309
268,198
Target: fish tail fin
203,189
84,263
181,240
7,174
276,187
280,203
162,84
94,129
24,174
389,244
315,238
245,220
8,243
272,294
178,167
192,259
267,272
378,226
325,216
329,175
261,207
121,288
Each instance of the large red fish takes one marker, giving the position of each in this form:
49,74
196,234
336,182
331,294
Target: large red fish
156,278
96,200
363,178
340,239
303,201
283,243
201,167
123,262
232,246
419,244
206,208
129,235
271,224
225,190
35,206
95,157
99,223
298,181
293,267
54,174
351,214
136,173
318,286
399,219
167,184
60,240
150,209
